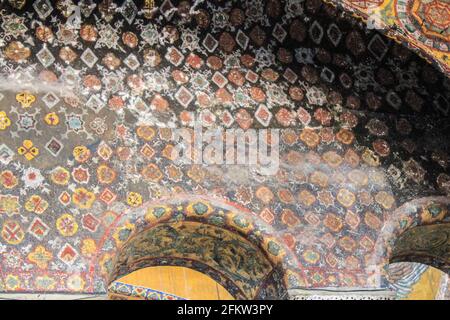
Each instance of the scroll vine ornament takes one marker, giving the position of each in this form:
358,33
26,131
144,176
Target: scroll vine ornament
25,99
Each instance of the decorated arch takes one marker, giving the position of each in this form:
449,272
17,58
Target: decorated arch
412,233
219,238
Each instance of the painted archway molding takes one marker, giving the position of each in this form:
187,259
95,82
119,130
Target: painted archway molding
238,220
426,244
418,212
417,24
232,219
226,257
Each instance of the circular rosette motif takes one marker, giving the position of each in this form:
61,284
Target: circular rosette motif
81,153
427,21
83,198
66,225
12,232
36,204
60,176
88,33
8,180
199,209
17,52
105,174
433,16
134,199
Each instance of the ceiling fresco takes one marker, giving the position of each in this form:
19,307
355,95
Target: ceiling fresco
90,98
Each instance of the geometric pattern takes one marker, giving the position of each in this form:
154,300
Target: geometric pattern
422,25
117,289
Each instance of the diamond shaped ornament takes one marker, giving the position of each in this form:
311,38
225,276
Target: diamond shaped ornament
334,34
174,56
167,9
43,8
6,154
210,43
95,103
68,254
207,118
45,57
86,7
227,118
242,40
129,11
290,75
104,151
219,79
139,105
279,33
50,99
89,57
132,62
263,115
38,229
184,96
377,47
54,146
327,75
316,32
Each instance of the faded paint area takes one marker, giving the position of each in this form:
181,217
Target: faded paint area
427,288
182,282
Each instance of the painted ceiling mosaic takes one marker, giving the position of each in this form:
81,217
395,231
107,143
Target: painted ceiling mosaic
91,94
424,25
